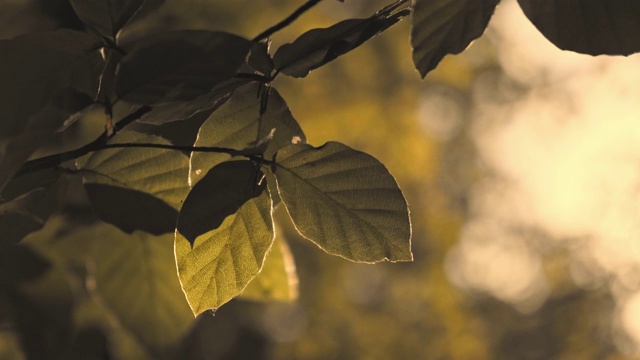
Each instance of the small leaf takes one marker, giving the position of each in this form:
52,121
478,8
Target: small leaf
106,17
219,194
592,27
259,58
220,263
179,65
238,125
277,280
442,27
345,201
137,188
320,46
27,202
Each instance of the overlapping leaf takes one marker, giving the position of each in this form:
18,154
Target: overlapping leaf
278,280
345,201
46,77
137,188
106,17
587,26
320,46
442,27
238,124
27,202
219,264
179,65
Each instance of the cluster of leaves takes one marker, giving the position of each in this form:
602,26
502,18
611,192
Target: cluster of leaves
191,174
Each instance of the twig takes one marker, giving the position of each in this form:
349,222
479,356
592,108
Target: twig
286,22
97,144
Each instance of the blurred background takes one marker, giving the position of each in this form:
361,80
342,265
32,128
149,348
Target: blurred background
520,165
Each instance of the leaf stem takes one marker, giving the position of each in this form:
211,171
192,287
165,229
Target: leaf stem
287,21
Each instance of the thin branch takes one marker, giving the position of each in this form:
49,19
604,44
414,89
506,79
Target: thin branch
205,149
286,22
97,144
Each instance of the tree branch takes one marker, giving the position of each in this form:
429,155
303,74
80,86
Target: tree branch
286,22
97,144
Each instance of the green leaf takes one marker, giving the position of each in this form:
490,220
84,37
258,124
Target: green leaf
278,280
27,202
131,277
136,277
320,46
106,17
192,63
593,27
239,125
46,78
442,27
219,194
137,188
220,263
345,201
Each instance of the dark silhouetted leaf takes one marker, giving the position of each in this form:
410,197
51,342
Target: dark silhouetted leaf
137,188
220,193
277,280
167,112
106,17
442,27
587,26
320,46
259,58
239,125
20,264
179,65
220,263
27,202
131,209
46,77
345,201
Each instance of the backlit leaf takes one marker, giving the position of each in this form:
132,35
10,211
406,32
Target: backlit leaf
220,263
137,188
238,125
442,27
320,46
179,65
278,280
587,26
345,201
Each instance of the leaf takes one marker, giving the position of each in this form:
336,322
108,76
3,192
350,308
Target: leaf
27,202
345,201
238,124
278,280
106,17
219,194
179,65
137,188
129,282
442,27
320,46
222,261
46,78
259,58
136,277
592,27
